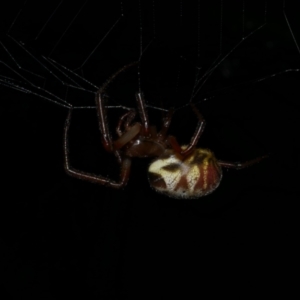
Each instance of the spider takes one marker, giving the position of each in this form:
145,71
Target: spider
177,171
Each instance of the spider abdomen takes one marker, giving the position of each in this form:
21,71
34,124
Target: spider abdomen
195,176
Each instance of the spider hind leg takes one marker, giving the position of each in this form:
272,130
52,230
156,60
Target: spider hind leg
241,165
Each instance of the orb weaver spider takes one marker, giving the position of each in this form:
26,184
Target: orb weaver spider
177,171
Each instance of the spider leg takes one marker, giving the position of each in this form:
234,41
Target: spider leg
199,130
103,126
241,165
195,138
143,112
101,111
125,165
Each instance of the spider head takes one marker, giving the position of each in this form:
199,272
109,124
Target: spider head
190,177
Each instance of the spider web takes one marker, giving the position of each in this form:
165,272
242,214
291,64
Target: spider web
63,54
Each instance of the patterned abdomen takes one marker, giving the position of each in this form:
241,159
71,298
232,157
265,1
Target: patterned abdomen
189,178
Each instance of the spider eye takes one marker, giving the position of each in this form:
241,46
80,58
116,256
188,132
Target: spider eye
193,177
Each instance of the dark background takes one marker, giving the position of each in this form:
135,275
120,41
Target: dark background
62,237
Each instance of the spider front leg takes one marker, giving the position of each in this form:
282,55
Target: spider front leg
125,165
101,111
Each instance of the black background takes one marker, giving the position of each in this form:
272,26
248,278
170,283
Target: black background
62,237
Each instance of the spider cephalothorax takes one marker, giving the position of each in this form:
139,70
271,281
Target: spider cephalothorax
177,171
